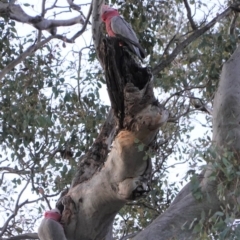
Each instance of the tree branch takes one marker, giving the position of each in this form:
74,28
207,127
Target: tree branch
189,15
97,24
186,210
16,171
182,215
166,62
73,5
17,207
84,25
43,8
21,57
47,9
15,12
23,236
233,23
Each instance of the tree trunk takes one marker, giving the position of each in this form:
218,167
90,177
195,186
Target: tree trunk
117,168
101,188
186,211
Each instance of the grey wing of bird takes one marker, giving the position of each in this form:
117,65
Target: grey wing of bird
123,30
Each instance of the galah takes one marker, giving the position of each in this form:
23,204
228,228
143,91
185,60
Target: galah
50,227
116,26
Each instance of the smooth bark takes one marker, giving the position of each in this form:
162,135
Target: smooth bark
180,218
91,206
15,12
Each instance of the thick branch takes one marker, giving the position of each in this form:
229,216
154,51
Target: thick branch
226,114
92,205
185,211
121,179
96,156
15,12
177,222
23,236
97,23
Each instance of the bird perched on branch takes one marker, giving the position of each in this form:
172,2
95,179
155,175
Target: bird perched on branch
116,26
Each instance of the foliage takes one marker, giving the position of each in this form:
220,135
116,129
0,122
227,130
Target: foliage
50,110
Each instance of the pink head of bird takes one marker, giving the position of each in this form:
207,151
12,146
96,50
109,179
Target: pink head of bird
108,12
53,214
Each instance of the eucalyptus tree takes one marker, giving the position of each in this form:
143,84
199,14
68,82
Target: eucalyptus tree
113,162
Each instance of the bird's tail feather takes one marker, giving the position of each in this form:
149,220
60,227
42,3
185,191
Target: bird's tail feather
134,46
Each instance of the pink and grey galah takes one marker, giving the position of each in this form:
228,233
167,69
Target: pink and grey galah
50,227
116,26
53,214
